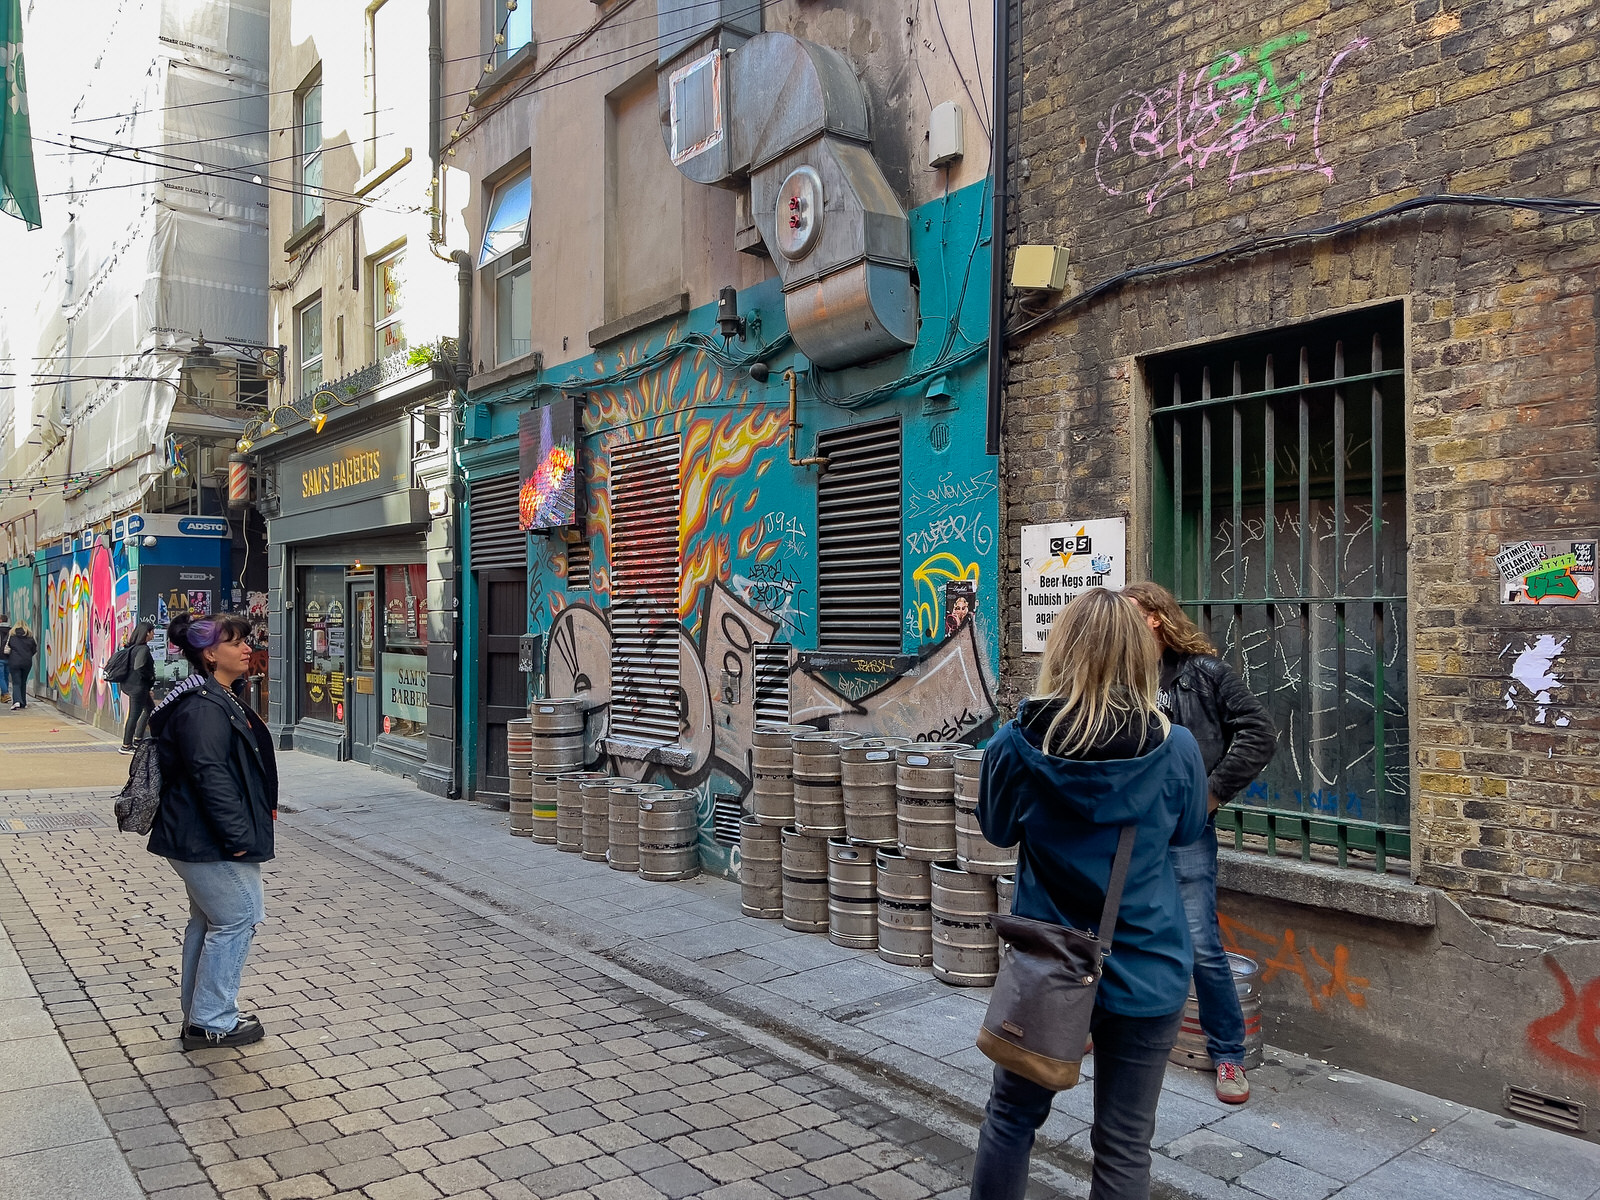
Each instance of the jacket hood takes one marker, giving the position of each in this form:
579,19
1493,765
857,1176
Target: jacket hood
186,686
1112,791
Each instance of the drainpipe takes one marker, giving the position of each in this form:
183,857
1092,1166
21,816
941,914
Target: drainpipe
1000,151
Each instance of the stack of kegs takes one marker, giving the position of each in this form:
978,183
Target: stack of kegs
805,882
569,808
622,824
905,910
973,851
818,796
596,807
542,809
866,775
760,870
519,762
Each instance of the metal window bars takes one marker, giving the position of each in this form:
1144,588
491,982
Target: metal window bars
1279,522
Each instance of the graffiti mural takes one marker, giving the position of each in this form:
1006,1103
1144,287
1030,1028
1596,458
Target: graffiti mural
1247,114
1325,979
88,610
1570,1036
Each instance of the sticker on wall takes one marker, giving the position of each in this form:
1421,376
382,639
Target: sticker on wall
1063,558
1547,573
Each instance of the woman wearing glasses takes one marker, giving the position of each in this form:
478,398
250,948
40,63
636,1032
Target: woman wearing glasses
219,798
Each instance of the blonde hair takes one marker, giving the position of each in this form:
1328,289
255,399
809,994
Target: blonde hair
1102,663
19,627
1177,631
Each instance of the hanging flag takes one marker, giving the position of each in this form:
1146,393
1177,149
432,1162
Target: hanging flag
19,188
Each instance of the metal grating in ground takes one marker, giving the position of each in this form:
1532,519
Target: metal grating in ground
48,822
56,749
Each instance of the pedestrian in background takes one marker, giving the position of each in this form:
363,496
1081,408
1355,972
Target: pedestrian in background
5,670
137,687
1206,696
219,798
20,649
1089,754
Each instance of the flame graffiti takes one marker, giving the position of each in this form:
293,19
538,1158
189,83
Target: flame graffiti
715,453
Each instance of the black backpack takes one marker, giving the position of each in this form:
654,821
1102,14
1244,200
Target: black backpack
119,666
139,798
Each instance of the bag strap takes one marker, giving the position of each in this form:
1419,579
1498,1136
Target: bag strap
1119,876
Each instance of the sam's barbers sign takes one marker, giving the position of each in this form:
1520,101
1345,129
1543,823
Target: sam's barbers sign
354,469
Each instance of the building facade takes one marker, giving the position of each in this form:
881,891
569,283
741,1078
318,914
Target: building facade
786,514
354,467
142,353
1327,347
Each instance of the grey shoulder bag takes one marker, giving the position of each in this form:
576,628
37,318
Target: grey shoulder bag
1038,1018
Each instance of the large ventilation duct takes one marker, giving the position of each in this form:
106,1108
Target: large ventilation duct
788,119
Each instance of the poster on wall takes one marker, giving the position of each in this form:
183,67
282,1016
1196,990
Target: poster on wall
1547,573
165,591
1063,558
547,459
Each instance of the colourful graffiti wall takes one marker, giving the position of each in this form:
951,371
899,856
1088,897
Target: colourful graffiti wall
748,521
88,610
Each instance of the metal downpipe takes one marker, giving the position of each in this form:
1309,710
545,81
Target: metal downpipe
1000,149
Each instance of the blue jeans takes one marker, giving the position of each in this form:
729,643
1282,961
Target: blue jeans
226,903
1220,1016
1130,1061
5,676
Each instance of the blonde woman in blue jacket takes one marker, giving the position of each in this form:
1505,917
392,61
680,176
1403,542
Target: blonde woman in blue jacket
1089,754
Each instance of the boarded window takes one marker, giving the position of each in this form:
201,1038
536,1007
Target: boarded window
1279,522
858,539
646,695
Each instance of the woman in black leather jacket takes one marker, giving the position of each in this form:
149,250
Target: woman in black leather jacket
219,798
1206,696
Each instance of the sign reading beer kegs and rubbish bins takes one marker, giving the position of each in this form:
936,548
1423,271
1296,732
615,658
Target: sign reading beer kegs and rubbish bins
1063,558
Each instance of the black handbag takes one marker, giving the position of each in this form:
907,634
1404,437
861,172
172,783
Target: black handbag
1038,1018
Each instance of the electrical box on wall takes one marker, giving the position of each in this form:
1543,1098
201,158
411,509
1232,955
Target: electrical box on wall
1039,268
946,134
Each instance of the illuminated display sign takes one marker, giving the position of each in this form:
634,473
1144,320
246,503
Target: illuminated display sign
548,457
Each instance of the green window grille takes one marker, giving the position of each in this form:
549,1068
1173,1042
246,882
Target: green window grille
1279,522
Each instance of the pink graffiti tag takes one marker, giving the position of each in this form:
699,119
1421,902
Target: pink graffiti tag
1218,115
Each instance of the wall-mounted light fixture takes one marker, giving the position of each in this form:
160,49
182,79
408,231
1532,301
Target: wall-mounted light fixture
729,322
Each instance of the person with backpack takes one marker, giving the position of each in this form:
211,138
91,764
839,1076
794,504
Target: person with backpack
20,649
1206,696
5,671
219,798
137,676
1087,757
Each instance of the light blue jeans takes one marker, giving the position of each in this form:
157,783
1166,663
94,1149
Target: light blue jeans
226,903
1214,989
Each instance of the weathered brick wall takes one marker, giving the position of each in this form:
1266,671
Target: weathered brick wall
1383,102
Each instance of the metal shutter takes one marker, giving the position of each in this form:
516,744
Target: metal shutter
772,682
645,501
496,541
858,539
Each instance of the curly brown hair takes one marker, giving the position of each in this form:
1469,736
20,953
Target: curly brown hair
1176,631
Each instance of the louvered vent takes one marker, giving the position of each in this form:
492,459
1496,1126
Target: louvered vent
644,591
771,695
1558,1111
496,542
858,539
726,813
580,558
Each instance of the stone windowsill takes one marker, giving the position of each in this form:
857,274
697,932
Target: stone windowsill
528,364
679,757
661,310
507,73
304,234
1319,885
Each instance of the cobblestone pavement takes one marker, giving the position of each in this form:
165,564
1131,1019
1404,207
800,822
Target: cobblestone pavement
419,1049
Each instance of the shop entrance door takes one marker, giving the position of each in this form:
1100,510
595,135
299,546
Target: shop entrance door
362,727
502,687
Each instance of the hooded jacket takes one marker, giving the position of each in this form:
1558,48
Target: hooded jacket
20,649
219,779
1065,815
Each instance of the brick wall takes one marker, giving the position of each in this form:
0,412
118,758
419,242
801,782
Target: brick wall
1384,102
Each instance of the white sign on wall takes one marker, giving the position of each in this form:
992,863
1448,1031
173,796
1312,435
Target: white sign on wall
1064,558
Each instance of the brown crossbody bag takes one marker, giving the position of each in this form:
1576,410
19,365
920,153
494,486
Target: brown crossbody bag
1038,1018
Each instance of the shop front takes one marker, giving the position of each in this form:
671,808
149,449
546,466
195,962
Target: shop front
358,562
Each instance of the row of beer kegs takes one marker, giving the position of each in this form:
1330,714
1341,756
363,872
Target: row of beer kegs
870,841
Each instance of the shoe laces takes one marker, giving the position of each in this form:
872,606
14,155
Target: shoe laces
1230,1072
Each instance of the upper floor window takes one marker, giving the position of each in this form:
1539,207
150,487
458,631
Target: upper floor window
513,26
308,329
505,251
388,333
308,153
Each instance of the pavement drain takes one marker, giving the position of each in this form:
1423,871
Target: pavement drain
84,748
48,822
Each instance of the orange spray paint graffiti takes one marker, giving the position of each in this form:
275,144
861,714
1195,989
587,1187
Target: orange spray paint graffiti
1579,1012
1285,955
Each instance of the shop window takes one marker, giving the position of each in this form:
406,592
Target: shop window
388,331
1279,521
324,631
308,153
405,650
308,331
513,28
505,253
646,690
858,539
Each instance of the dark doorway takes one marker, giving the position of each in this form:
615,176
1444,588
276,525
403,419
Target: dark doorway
502,687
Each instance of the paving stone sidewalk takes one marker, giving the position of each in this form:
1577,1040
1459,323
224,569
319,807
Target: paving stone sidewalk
419,1047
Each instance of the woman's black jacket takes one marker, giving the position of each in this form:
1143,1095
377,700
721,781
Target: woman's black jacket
1236,735
20,651
219,777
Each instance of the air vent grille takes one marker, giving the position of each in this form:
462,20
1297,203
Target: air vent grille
1555,1111
726,812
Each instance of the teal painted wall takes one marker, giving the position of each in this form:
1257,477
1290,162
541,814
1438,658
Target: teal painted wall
748,570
